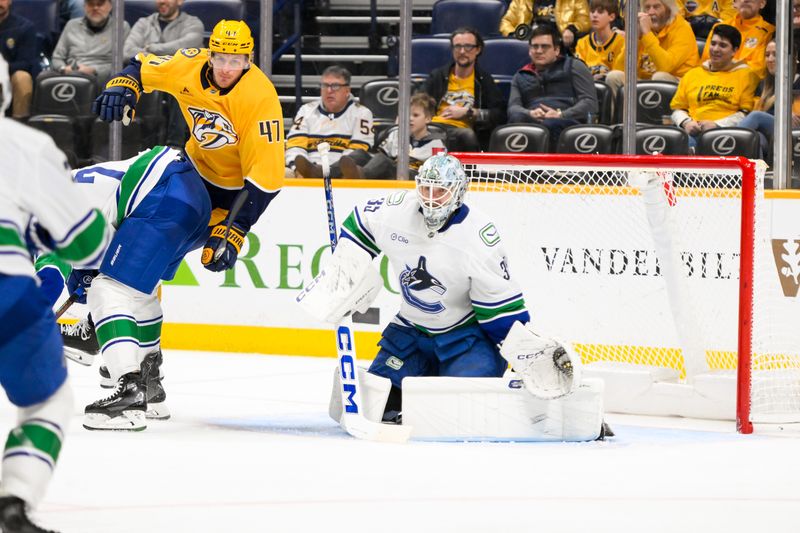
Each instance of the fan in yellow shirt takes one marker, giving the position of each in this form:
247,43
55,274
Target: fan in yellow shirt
603,46
756,33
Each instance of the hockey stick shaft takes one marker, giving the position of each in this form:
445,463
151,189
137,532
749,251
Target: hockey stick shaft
238,202
69,301
353,419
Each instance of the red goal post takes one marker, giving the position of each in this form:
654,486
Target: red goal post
639,238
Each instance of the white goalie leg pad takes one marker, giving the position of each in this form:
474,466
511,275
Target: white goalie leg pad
347,283
374,393
497,409
547,367
27,468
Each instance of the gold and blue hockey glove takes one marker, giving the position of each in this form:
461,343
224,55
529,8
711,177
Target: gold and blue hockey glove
220,253
120,93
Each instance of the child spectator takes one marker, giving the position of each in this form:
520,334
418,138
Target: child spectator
604,45
384,163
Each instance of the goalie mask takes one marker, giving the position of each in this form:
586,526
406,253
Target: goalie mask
441,184
5,87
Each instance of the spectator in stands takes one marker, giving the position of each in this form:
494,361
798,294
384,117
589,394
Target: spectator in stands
162,33
604,46
762,119
336,118
719,92
571,17
554,89
469,103
703,14
68,10
85,44
19,49
384,163
796,25
667,46
756,33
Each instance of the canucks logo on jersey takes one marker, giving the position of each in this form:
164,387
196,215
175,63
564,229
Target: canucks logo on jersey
419,279
211,129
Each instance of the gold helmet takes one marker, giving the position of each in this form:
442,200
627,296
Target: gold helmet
231,37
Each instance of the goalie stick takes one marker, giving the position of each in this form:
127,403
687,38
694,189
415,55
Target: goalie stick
353,419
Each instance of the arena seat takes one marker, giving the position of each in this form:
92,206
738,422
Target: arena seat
135,137
527,138
503,57
381,96
665,140
435,130
68,95
483,15
428,53
45,18
212,11
605,102
729,142
653,99
586,139
62,129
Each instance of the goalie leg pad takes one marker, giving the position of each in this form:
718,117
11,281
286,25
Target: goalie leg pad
374,393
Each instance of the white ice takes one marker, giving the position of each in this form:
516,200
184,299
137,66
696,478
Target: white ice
250,448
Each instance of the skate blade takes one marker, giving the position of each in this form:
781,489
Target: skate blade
79,356
157,411
132,420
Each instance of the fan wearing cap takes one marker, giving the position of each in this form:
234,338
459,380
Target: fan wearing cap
235,124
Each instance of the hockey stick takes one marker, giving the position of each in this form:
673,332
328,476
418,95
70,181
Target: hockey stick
69,301
353,419
238,202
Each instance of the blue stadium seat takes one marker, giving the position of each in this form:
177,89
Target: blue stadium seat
504,57
729,142
662,140
428,53
44,16
586,139
212,11
524,138
483,15
136,9
504,83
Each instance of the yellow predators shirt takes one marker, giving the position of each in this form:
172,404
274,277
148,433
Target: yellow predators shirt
461,92
719,9
707,95
600,58
756,34
234,134
672,50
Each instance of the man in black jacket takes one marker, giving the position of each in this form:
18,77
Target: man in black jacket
20,50
469,103
554,90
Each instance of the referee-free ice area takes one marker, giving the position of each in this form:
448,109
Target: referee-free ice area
250,448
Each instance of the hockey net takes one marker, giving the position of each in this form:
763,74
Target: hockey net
657,266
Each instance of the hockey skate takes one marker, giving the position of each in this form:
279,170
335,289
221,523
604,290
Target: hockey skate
13,518
124,410
80,341
156,396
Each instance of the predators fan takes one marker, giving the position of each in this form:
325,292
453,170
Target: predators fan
235,122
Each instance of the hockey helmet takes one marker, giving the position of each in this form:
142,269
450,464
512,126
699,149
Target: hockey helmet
5,86
231,37
441,185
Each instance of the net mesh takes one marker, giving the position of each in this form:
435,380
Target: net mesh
638,262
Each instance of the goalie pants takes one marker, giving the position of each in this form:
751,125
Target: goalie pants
463,352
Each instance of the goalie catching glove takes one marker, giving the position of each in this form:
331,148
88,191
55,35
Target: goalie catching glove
547,369
347,283
229,247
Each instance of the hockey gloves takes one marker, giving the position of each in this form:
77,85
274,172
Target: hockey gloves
79,281
120,93
220,253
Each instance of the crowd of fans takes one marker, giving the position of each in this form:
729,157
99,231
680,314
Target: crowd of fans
720,53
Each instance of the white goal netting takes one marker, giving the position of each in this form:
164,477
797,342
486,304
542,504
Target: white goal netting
636,262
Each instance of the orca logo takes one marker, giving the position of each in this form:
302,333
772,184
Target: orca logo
211,129
63,92
516,142
654,144
650,99
723,145
417,280
388,96
586,143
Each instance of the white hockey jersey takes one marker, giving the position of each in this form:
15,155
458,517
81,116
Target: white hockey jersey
349,129
419,150
35,180
457,277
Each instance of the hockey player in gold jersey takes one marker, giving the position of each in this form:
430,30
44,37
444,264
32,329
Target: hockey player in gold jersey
235,122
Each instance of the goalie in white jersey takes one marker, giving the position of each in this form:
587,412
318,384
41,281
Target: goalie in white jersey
40,210
459,299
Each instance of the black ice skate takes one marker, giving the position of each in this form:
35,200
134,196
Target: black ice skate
156,396
124,410
13,518
80,341
105,378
